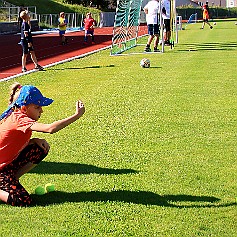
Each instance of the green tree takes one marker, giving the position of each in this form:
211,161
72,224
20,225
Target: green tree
101,4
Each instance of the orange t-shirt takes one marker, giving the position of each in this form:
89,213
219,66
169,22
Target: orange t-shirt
15,134
205,14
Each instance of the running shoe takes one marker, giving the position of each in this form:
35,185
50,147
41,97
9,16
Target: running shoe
38,67
24,69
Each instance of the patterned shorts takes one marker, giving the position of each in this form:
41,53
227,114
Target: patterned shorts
18,196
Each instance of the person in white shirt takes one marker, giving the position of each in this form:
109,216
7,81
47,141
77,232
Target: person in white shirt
166,16
152,10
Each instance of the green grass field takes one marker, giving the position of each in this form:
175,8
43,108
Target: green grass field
155,152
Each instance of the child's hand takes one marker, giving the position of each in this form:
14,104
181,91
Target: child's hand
80,108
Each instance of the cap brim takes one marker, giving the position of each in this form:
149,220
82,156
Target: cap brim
44,101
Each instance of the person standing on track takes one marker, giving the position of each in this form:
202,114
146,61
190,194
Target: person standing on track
89,24
27,42
62,25
152,10
19,17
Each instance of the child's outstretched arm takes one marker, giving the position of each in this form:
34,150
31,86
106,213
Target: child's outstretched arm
60,124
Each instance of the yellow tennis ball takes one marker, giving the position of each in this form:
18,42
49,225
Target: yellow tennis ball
39,190
49,187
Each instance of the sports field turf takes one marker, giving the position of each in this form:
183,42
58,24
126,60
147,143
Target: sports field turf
155,152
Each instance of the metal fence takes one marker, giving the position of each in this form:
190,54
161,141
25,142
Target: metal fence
11,13
74,20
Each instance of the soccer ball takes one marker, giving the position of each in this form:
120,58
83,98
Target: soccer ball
145,63
214,23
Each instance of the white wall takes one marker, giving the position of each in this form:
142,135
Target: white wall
231,3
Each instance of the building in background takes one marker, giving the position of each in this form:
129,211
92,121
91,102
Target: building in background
231,3
179,3
197,3
218,3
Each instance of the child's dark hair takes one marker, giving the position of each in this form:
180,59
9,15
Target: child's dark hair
14,91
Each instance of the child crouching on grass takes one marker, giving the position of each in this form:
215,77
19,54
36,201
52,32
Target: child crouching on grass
18,153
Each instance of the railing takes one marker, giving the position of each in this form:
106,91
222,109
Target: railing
74,20
10,14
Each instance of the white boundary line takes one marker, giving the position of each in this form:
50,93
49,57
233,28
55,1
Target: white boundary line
56,63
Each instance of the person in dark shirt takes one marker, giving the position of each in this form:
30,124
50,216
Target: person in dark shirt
19,18
27,42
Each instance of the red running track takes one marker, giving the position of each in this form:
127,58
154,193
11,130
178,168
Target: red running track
48,49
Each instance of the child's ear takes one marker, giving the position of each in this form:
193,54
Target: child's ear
23,108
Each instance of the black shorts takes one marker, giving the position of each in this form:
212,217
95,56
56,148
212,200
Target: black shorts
167,24
89,32
153,29
62,32
25,48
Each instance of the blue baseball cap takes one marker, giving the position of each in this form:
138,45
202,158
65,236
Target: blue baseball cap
28,95
31,95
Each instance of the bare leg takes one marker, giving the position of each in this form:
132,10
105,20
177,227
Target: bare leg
4,196
85,37
62,39
29,166
156,41
203,24
23,59
209,24
33,58
149,41
168,34
151,37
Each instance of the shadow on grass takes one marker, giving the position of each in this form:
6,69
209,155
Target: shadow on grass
134,197
80,68
209,46
77,68
74,168
155,67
